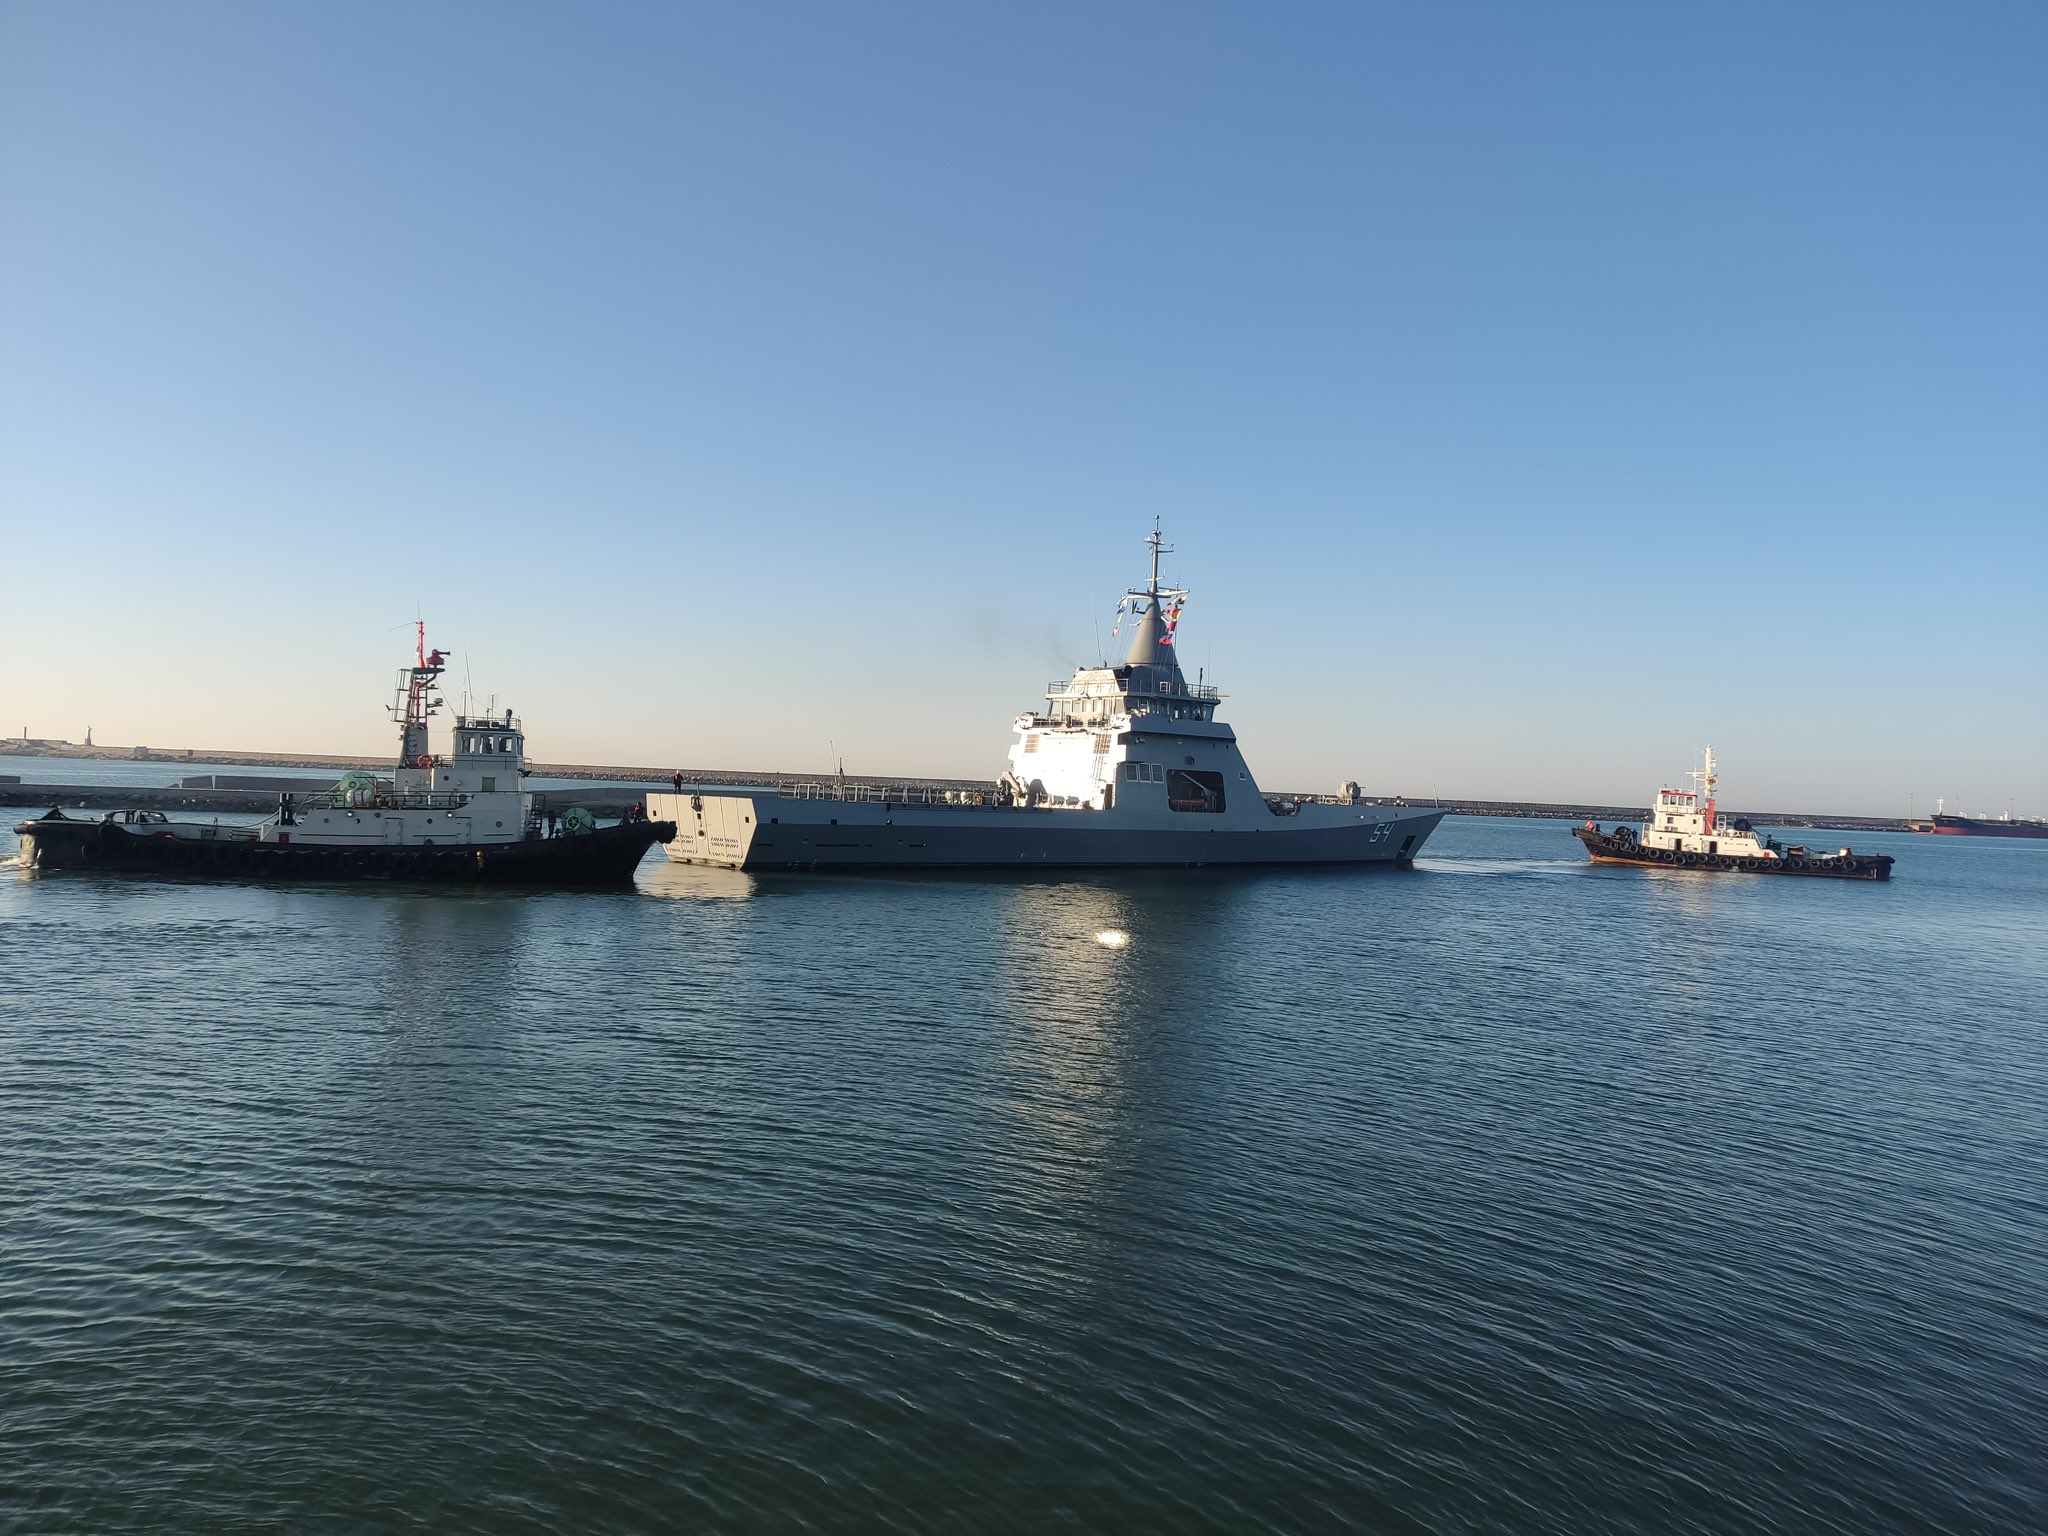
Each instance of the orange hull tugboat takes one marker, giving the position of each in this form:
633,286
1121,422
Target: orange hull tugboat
1685,833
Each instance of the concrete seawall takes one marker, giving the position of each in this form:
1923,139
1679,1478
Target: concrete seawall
603,800
610,799
611,787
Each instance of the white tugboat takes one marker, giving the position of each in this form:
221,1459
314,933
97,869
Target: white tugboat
1126,766
462,817
1686,832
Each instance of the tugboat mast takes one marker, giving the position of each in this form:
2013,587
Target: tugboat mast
416,701
1704,777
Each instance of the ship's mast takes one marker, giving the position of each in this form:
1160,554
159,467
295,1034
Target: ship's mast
1704,777
1152,590
415,703
1156,608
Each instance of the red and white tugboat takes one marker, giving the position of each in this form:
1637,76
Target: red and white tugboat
463,817
1686,833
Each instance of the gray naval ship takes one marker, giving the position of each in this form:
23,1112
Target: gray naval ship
1127,766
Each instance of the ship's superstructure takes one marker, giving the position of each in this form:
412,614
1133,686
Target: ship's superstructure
1685,821
472,794
1126,764
1091,743
462,815
1685,830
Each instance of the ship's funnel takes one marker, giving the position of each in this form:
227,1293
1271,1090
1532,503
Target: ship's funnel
1148,647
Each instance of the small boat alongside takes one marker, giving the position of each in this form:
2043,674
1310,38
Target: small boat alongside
1685,832
462,817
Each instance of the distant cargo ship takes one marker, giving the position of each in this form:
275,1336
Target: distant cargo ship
1941,825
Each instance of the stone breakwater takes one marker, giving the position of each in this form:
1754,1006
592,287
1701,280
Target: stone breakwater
245,797
613,797
603,800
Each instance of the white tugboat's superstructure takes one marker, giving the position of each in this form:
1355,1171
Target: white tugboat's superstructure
472,795
1685,821
1127,765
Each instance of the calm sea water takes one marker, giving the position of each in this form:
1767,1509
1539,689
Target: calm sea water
1507,1194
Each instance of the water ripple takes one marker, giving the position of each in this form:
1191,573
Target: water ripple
1506,1195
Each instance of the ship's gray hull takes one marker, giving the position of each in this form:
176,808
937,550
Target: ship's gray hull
765,830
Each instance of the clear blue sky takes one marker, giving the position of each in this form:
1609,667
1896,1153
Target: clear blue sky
1534,392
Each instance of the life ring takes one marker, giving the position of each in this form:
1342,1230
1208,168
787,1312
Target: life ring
424,760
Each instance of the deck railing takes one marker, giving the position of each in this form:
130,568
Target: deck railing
883,794
1057,689
379,800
